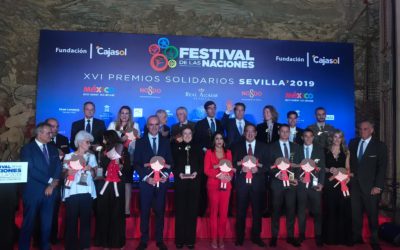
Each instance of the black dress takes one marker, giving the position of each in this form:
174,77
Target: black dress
110,218
187,192
337,226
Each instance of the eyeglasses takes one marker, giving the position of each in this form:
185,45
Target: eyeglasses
87,142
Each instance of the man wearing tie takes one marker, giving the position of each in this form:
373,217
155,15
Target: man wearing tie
205,129
151,196
181,114
280,193
90,124
368,162
250,192
234,127
44,170
321,129
310,197
62,144
296,133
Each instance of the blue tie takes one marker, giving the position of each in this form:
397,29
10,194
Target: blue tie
154,146
212,126
240,128
361,151
88,126
286,151
46,154
307,153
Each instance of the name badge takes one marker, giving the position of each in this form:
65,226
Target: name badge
315,182
99,172
187,169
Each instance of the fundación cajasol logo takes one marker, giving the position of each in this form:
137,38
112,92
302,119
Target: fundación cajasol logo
163,55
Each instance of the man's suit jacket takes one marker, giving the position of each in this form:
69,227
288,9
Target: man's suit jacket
317,153
39,171
274,153
144,152
262,135
203,135
97,130
62,143
297,137
239,151
232,132
370,171
175,129
321,137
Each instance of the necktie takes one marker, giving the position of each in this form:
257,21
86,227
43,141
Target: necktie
154,146
240,128
321,128
361,150
46,154
88,126
212,126
285,151
52,140
270,128
250,151
307,153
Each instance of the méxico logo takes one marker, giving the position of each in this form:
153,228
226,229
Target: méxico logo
163,55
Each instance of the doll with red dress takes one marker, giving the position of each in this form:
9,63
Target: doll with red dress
113,172
225,166
75,163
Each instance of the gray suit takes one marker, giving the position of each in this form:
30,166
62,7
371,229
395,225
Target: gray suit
321,135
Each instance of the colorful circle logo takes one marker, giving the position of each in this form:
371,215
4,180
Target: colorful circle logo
163,55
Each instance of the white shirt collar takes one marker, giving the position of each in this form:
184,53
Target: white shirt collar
39,144
366,141
152,136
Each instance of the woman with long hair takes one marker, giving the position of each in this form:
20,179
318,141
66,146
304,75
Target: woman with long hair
218,197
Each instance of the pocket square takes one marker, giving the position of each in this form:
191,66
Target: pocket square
64,146
371,155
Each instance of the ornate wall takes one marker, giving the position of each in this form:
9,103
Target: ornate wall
351,21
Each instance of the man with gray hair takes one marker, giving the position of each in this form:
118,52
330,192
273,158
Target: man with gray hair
368,162
44,171
181,115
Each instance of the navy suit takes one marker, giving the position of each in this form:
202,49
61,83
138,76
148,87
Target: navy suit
34,199
98,128
232,131
151,196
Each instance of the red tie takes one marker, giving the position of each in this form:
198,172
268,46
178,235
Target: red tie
250,151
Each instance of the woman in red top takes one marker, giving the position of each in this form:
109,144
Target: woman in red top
218,198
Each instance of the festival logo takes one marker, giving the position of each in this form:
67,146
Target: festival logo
163,55
251,95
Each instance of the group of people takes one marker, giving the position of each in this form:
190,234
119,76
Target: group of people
207,160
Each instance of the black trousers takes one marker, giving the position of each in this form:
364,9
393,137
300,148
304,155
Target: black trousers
245,196
311,199
361,202
78,207
152,197
282,196
187,194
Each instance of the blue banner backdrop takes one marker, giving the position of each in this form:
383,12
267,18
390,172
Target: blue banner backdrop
149,72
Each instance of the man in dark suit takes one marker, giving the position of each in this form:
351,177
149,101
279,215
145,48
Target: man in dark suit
152,144
62,144
321,129
44,170
181,114
250,193
310,197
90,124
234,127
205,128
368,162
281,194
267,131
296,133
163,129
